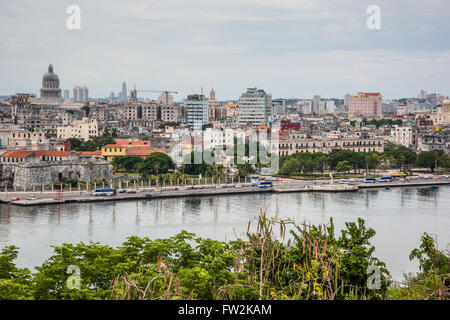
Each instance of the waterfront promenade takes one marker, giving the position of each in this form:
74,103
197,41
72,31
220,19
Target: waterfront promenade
54,197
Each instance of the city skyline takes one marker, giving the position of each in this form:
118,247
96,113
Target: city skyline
291,49
181,99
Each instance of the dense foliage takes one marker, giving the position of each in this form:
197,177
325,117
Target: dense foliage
313,264
127,163
156,163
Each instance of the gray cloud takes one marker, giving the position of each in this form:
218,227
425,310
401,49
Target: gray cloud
289,47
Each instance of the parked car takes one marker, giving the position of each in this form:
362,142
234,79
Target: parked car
122,190
15,198
344,181
131,191
238,186
31,197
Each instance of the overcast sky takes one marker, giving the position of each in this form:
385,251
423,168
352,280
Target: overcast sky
290,48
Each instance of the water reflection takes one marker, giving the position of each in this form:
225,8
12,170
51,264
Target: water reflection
399,217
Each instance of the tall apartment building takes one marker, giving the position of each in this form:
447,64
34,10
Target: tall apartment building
255,108
142,111
170,113
197,110
315,104
80,129
80,94
366,104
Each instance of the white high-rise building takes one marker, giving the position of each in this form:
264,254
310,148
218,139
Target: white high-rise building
124,91
80,94
255,108
316,104
197,111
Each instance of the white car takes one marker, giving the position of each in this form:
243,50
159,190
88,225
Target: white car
31,197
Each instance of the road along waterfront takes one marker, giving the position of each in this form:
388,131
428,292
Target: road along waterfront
54,197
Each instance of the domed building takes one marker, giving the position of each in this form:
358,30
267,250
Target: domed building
445,108
50,91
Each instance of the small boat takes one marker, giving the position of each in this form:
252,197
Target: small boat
388,188
434,187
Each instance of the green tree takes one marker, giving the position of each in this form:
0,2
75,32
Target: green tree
428,159
193,168
343,166
159,159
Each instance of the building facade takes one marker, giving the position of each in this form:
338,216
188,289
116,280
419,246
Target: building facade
402,135
366,105
197,111
255,108
80,129
299,143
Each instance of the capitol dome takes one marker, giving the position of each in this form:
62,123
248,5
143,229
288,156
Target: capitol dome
50,91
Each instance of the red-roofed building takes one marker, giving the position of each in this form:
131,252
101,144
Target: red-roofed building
128,148
124,142
44,155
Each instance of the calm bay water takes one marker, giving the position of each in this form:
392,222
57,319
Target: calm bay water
399,216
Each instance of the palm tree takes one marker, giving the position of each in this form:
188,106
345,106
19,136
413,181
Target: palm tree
177,176
183,166
170,177
210,170
138,167
153,179
156,169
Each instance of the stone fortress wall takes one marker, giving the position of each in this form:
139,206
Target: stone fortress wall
35,173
